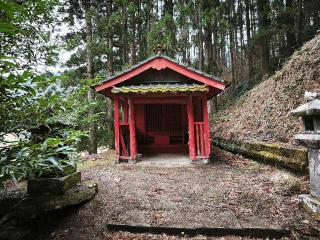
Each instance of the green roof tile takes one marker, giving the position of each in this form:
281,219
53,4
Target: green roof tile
161,88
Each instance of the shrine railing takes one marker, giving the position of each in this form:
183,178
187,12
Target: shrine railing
199,139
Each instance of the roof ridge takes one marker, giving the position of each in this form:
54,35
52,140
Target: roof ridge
119,73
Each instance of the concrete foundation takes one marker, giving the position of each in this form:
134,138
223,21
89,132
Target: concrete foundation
165,159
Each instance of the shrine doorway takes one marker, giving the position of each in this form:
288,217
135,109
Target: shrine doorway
162,128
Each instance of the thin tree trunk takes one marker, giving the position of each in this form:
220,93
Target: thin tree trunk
248,33
263,21
91,91
125,33
233,77
231,43
133,46
110,41
208,50
300,22
200,38
291,39
253,17
223,50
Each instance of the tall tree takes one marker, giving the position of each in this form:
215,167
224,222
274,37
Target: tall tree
90,76
263,11
110,39
290,32
248,35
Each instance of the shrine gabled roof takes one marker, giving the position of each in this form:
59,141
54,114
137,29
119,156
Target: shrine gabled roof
160,62
161,88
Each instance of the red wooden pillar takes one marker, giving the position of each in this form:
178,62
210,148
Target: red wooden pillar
192,152
116,125
132,129
206,126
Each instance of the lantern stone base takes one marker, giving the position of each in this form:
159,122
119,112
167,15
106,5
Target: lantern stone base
310,203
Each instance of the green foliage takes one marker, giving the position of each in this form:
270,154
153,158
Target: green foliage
26,158
24,32
29,99
161,34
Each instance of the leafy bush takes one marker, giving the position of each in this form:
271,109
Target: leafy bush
26,158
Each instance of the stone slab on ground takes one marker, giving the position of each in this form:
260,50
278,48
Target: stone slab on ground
34,205
219,222
203,231
16,224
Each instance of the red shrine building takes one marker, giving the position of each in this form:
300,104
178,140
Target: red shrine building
160,106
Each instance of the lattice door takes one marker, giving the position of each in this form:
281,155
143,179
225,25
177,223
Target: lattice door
163,117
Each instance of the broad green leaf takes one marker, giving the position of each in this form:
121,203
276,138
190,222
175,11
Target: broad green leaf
54,162
52,142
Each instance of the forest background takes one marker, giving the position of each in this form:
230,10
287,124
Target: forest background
241,41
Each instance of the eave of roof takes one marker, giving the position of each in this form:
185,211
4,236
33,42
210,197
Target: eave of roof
146,61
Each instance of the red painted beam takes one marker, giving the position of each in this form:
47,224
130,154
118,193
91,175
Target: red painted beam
124,76
132,129
116,125
191,143
161,63
193,75
202,140
163,100
206,127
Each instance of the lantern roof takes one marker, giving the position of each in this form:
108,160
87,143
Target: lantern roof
308,109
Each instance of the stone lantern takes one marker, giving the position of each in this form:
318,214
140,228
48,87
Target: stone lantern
310,137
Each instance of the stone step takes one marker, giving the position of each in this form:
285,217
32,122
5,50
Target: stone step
205,231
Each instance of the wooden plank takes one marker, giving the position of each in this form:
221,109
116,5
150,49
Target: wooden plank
123,145
191,129
198,139
202,139
132,129
206,127
116,125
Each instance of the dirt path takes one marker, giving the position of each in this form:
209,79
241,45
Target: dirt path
232,192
